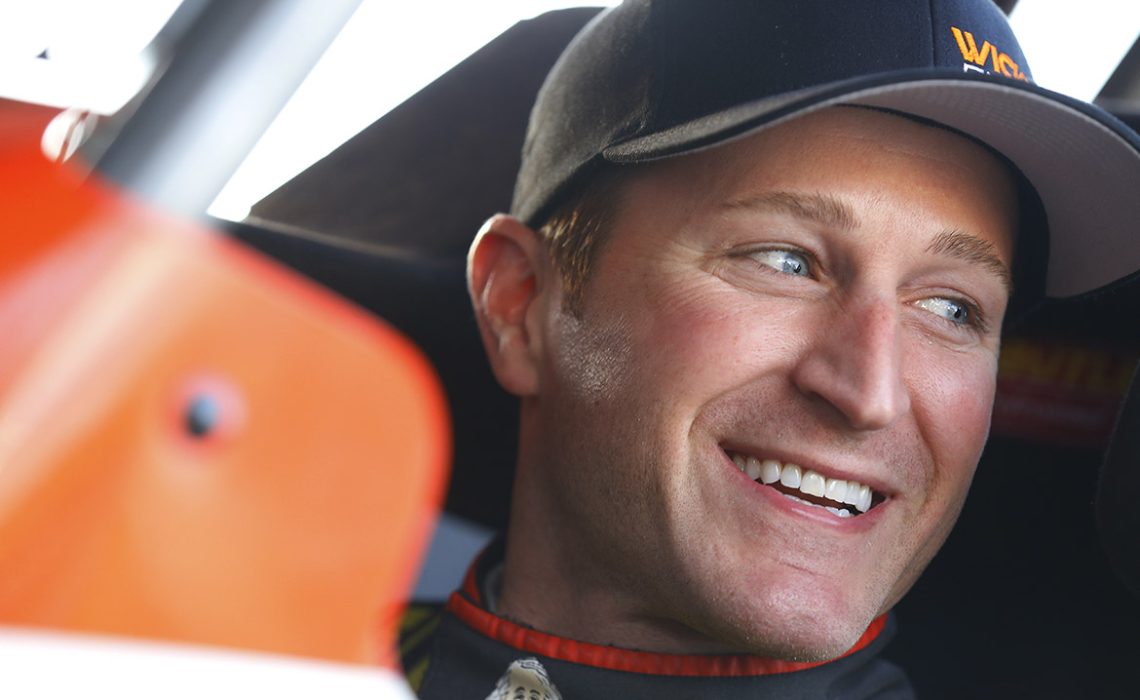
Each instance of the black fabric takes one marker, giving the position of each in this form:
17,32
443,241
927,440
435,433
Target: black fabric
725,53
418,626
592,104
462,664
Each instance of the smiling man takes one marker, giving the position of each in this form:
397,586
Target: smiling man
784,360
751,298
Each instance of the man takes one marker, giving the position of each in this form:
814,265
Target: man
751,298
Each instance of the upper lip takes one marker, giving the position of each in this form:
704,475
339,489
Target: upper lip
830,469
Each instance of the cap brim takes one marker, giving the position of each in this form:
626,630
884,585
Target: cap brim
1084,163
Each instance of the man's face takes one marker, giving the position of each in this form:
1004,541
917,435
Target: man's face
826,294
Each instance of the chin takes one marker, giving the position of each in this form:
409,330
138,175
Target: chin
797,627
828,640
820,639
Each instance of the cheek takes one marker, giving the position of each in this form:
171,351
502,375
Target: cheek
713,335
652,338
951,409
594,360
954,412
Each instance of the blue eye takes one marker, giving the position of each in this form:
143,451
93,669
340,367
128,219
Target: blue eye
788,261
949,309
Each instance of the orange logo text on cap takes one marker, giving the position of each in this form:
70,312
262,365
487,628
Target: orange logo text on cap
976,59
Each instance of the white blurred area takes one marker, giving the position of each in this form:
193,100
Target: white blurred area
1074,47
78,53
44,664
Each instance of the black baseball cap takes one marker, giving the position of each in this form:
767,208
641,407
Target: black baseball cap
652,79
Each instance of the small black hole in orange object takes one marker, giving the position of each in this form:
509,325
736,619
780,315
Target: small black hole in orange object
203,415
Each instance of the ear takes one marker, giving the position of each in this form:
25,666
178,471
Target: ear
505,270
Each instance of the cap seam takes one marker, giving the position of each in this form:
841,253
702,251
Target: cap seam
933,36
657,49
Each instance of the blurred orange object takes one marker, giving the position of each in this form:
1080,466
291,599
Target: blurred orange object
196,444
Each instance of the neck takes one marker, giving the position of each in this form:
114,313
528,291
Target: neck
555,584
470,606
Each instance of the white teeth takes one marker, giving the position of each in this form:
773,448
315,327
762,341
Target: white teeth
809,482
813,484
790,476
769,471
836,490
752,468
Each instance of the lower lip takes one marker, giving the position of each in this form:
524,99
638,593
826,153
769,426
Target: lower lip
771,498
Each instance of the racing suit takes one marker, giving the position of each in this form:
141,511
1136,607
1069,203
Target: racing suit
464,650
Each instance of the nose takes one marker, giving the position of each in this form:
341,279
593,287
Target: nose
854,365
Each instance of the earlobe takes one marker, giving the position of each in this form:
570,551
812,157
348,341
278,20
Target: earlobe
503,278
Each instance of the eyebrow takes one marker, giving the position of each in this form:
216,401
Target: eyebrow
833,213
819,208
971,249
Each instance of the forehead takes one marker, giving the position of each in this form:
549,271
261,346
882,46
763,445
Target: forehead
846,155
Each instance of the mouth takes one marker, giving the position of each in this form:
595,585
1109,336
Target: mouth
843,498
